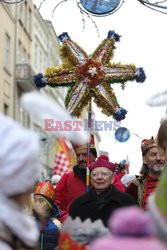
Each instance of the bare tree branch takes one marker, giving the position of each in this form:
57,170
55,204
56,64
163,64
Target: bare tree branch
161,2
57,6
41,4
157,6
82,13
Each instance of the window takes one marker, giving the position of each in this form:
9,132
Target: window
36,56
7,52
25,119
24,59
29,21
5,109
19,109
19,52
28,59
25,15
20,11
40,56
44,64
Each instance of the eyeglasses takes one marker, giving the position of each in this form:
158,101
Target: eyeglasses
100,174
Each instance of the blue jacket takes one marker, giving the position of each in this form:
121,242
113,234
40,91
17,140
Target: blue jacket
48,236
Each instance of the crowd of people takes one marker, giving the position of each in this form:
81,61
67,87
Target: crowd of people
33,213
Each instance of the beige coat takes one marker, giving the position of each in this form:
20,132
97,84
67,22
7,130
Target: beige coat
9,242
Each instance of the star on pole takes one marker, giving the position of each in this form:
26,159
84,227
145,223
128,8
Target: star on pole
90,77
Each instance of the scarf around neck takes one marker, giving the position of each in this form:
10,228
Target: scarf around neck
102,199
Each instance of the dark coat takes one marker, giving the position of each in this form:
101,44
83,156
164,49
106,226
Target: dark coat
85,206
70,187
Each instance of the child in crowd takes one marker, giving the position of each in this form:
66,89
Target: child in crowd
46,214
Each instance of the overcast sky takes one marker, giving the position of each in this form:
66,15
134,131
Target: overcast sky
144,43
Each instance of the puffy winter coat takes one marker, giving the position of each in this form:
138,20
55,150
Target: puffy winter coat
49,235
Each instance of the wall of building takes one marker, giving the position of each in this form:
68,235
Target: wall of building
28,46
7,57
45,53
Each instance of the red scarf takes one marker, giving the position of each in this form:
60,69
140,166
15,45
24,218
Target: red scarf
151,184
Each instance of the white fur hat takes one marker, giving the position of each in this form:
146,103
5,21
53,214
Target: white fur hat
55,179
19,157
127,178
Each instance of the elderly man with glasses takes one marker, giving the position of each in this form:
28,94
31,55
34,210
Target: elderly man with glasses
103,198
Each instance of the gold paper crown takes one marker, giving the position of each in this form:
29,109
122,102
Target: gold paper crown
147,144
45,188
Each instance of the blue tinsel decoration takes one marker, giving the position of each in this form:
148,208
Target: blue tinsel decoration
140,75
120,114
40,80
64,37
113,35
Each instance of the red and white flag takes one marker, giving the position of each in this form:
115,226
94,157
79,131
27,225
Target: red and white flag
62,161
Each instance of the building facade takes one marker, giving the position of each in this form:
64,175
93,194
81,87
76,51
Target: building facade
45,53
7,58
28,46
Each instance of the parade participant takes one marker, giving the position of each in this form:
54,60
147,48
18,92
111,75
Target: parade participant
162,139
46,214
131,229
103,198
158,207
158,200
121,169
19,171
153,165
73,184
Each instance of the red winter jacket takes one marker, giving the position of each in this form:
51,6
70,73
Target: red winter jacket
71,187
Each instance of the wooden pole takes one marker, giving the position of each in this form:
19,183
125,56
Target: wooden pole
88,148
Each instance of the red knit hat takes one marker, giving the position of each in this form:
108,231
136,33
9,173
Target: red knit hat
102,161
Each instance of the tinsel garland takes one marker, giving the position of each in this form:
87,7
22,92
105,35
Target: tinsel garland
90,77
71,52
122,73
105,46
92,71
68,60
107,102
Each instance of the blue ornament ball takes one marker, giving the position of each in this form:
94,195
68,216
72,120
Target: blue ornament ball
100,7
122,134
